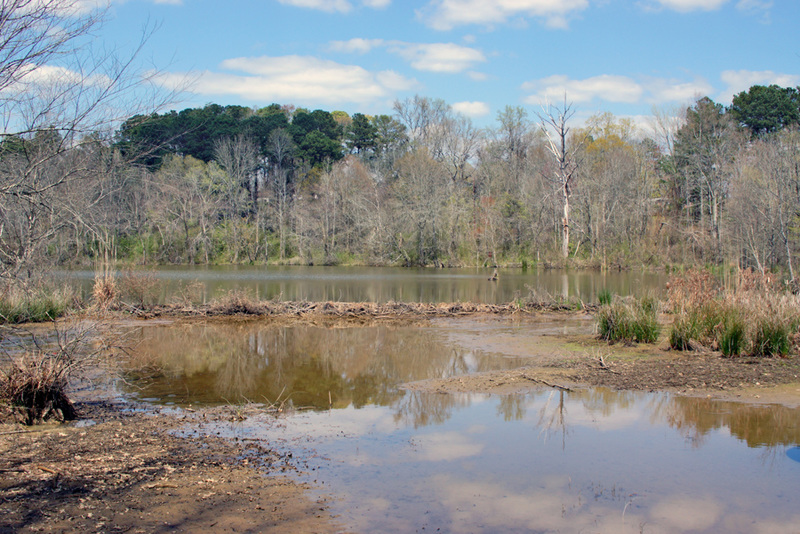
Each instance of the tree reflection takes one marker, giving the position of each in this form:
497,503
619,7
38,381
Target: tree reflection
311,366
758,426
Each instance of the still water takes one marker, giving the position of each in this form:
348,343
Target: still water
396,460
383,284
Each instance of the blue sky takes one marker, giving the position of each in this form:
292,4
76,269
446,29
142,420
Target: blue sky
619,56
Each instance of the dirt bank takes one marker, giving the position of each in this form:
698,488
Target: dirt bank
588,361
125,472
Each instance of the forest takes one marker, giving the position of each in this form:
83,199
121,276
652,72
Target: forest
422,187
712,184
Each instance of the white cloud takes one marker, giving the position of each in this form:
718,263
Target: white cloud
606,87
170,2
662,90
447,14
741,80
477,76
615,88
296,79
329,6
430,57
356,45
395,81
472,109
685,6
439,57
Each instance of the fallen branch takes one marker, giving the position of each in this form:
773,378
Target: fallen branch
546,383
604,366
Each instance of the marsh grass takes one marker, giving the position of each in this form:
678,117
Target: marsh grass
629,320
755,316
35,305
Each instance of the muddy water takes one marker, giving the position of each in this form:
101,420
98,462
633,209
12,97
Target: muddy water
381,284
590,460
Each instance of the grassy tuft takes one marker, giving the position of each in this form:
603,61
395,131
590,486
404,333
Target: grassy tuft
18,306
629,321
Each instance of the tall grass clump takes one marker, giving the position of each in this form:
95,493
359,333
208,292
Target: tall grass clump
629,320
605,297
34,305
770,337
754,316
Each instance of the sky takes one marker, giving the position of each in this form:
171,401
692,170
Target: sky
619,56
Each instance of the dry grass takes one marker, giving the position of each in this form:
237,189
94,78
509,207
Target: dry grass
755,316
105,293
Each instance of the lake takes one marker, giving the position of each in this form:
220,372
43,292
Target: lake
384,284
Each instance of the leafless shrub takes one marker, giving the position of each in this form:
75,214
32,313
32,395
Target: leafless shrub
691,290
35,380
140,288
188,294
236,302
105,292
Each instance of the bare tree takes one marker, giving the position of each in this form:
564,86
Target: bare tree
59,100
281,147
554,122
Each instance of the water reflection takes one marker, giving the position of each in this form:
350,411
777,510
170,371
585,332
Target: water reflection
585,460
489,465
308,365
323,368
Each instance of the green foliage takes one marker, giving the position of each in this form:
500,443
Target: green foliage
682,331
765,110
732,337
43,304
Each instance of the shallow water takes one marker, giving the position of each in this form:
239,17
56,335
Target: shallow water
383,284
590,460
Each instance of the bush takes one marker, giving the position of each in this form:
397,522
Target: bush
605,297
683,331
34,383
36,387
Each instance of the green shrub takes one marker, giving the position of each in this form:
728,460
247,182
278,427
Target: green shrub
605,297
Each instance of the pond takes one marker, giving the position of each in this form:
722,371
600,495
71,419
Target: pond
397,460
383,284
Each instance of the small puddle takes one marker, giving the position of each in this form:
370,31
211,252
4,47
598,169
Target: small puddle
589,460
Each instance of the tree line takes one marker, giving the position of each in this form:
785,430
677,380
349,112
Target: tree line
422,186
